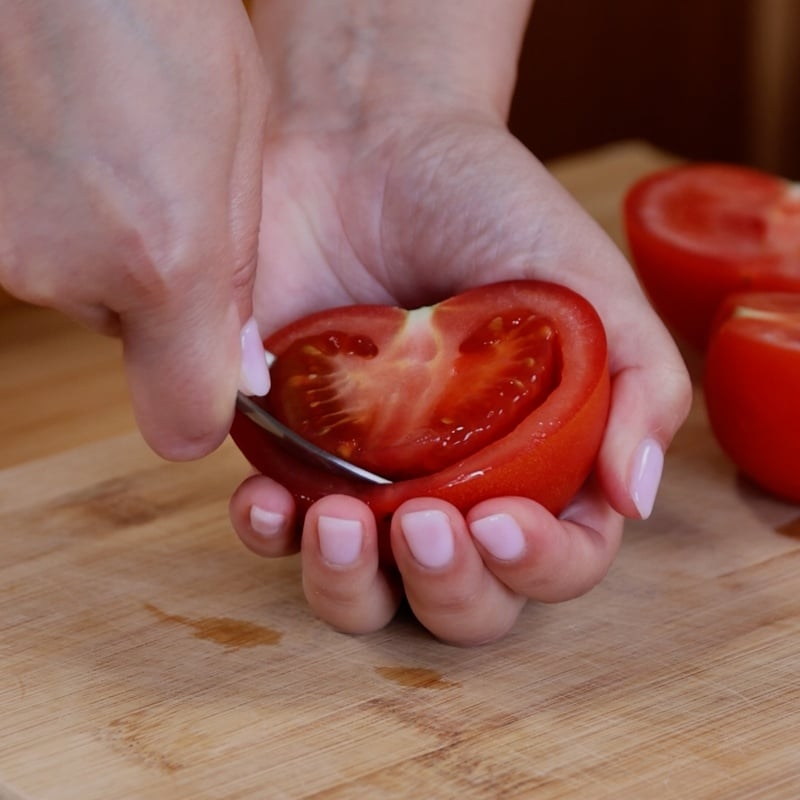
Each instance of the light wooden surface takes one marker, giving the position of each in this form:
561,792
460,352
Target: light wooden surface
145,654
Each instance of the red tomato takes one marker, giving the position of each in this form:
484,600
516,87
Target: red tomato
752,387
700,232
502,390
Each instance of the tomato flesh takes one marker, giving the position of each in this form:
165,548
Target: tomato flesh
420,403
752,387
700,232
502,390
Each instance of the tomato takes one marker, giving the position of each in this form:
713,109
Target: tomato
752,387
700,232
502,390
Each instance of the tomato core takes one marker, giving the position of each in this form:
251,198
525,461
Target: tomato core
420,402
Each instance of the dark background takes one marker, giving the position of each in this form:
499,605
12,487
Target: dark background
704,79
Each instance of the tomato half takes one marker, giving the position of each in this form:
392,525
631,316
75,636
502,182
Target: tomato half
700,232
752,387
502,390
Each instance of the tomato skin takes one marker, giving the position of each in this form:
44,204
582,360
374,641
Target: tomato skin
547,457
752,388
700,232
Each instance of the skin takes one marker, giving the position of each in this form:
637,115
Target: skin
329,154
396,181
129,198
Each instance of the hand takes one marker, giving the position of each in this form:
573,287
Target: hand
130,143
418,200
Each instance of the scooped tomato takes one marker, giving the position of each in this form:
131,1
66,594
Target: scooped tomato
502,390
752,387
700,232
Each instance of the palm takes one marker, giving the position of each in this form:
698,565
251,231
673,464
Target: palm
405,215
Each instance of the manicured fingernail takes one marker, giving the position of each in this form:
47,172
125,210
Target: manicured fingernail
500,535
648,464
266,523
254,375
340,540
429,537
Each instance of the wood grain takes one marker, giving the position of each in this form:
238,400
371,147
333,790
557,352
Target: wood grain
145,654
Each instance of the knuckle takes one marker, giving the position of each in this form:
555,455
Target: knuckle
158,245
343,592
452,602
156,259
28,271
677,391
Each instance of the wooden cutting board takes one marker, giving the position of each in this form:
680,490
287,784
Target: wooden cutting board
145,654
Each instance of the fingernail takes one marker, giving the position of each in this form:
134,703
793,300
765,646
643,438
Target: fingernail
254,375
340,540
429,537
648,464
266,523
500,535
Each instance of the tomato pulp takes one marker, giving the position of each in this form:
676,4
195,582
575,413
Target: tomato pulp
752,387
501,390
700,232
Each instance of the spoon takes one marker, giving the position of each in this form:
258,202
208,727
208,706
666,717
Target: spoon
301,446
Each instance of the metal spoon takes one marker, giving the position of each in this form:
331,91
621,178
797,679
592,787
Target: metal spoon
303,447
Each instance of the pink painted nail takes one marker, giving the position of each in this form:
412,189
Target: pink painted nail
254,375
340,540
266,523
429,537
500,535
648,464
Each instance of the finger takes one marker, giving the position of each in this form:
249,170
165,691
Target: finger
342,579
447,584
651,391
182,363
542,557
262,513
189,341
650,398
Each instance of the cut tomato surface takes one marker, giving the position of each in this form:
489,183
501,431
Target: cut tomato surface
700,232
752,387
501,390
434,392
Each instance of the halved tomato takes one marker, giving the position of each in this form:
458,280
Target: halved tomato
502,390
700,232
752,387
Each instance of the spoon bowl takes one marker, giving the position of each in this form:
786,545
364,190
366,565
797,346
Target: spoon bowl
300,446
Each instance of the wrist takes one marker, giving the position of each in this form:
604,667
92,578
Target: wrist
340,62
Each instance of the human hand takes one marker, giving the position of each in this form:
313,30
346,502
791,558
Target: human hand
414,200
130,145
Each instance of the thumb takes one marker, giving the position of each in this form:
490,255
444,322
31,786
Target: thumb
184,361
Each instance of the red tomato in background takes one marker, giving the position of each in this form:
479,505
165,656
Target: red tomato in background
502,390
700,232
752,387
